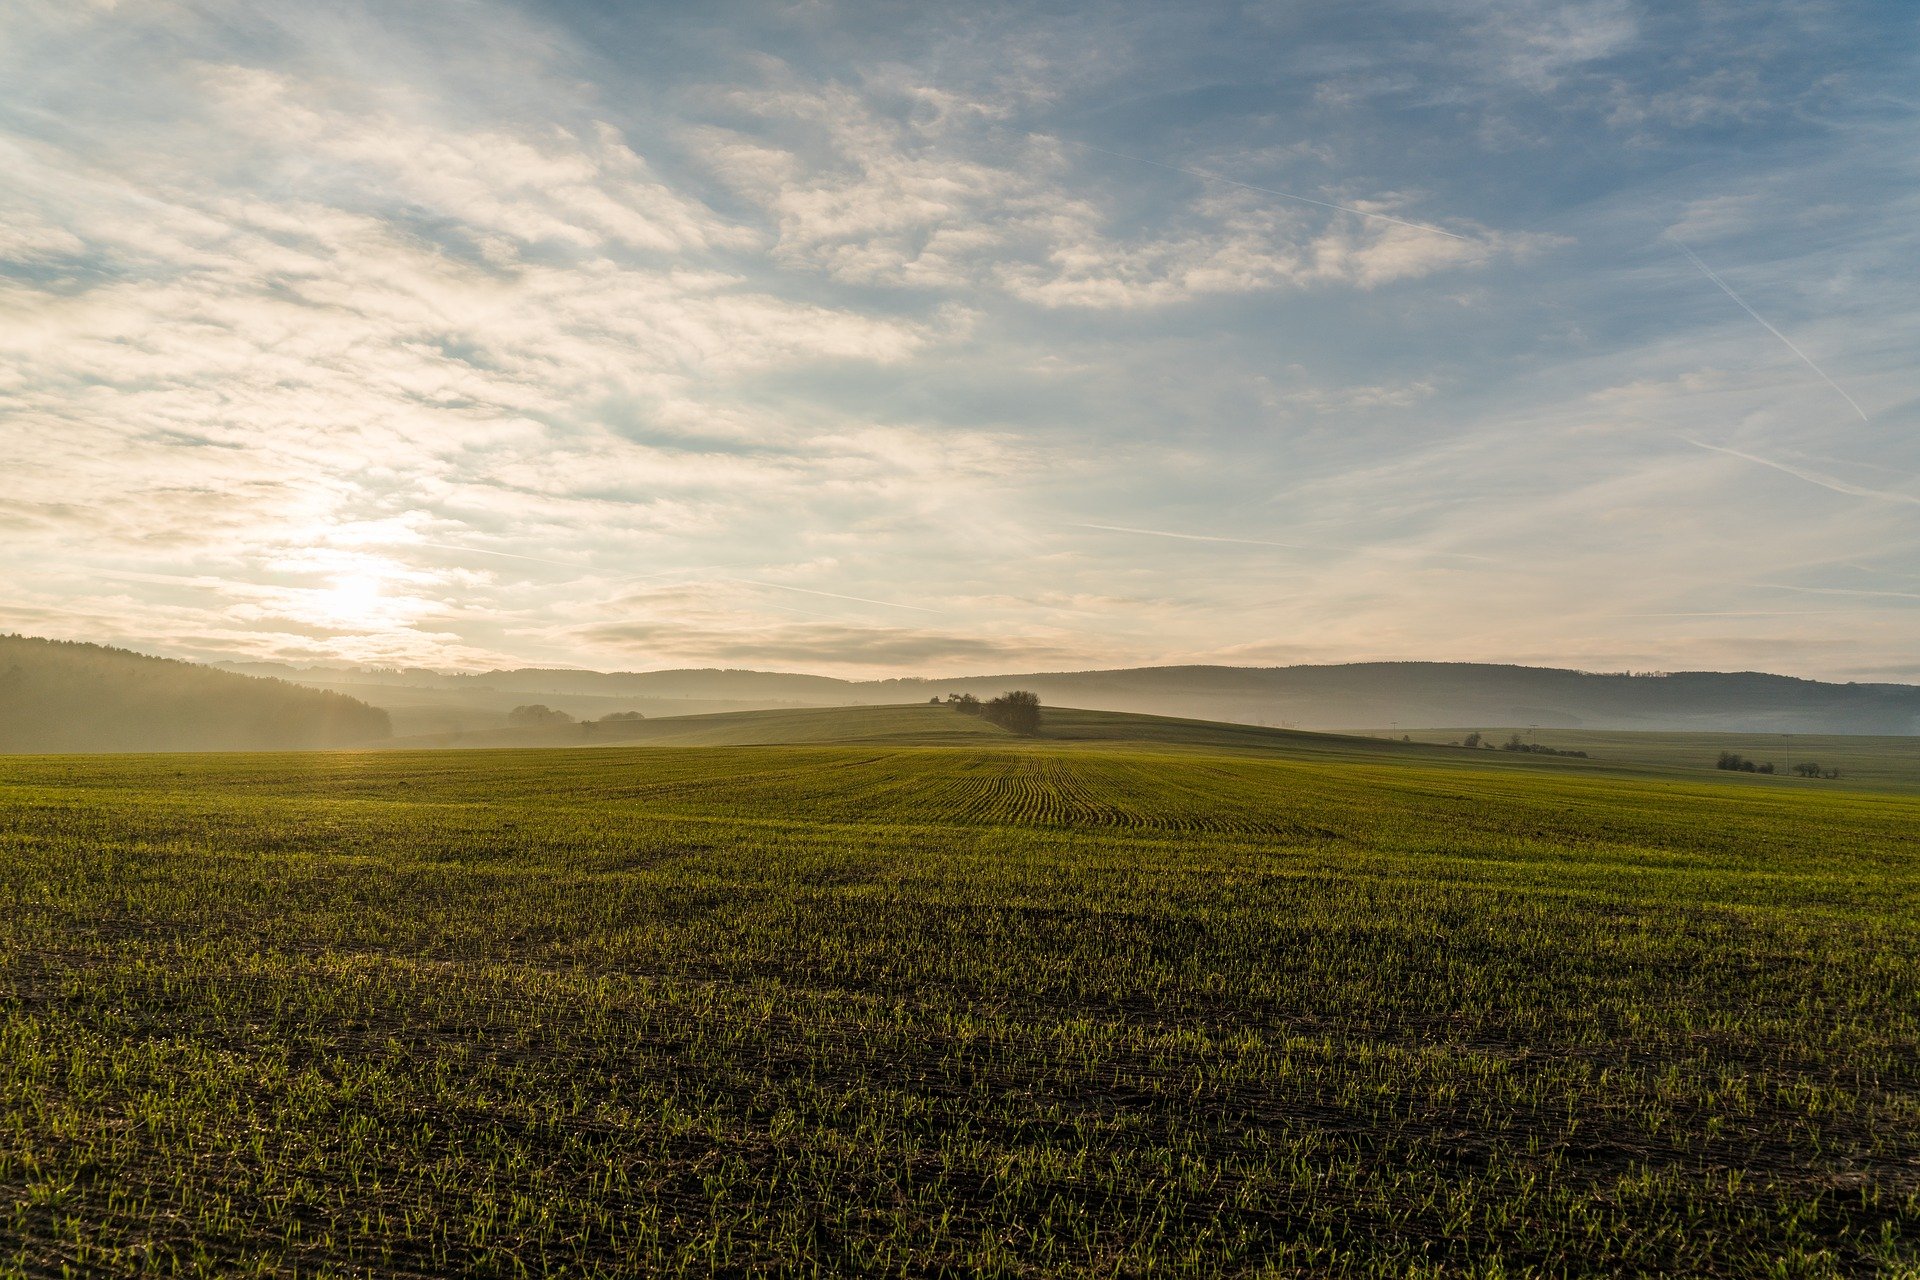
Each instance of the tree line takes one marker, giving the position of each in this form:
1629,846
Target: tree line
1016,711
1516,743
538,715
1737,763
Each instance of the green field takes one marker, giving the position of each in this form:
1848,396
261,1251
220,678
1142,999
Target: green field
1131,1000
916,724
1863,760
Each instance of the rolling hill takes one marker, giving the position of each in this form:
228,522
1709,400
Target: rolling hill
1370,695
1864,761
1873,762
910,725
57,696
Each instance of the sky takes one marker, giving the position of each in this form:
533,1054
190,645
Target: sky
879,338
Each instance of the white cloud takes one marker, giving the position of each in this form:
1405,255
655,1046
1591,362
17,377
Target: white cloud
1535,42
870,198
532,186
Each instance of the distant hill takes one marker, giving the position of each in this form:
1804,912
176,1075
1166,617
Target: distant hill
58,696
1377,695
1367,695
920,724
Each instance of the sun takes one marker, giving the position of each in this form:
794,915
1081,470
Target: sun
354,601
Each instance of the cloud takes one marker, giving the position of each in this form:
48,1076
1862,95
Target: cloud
814,644
504,188
952,199
1290,546
1535,42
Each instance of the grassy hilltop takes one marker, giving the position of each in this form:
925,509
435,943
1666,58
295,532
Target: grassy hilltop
1891,762
1090,1004
916,724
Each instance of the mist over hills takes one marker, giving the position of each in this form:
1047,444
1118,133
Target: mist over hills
59,696
62,696
1369,695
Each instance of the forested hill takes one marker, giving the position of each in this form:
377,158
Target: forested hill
58,696
1361,695
1378,695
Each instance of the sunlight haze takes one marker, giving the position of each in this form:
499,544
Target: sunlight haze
870,339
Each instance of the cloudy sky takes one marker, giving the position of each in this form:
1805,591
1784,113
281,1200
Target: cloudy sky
885,338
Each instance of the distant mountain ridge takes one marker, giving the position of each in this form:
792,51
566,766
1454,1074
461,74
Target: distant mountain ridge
63,696
1365,695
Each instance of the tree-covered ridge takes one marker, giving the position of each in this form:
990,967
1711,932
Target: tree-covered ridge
58,695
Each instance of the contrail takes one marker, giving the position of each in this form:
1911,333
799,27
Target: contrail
664,573
1811,477
1286,546
805,613
1269,191
1738,613
508,555
833,595
1202,537
1843,591
668,573
571,564
1694,258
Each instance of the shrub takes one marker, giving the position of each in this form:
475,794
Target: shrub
537,715
1018,711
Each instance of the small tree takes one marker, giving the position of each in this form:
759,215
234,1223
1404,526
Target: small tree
1471,740
1018,711
537,715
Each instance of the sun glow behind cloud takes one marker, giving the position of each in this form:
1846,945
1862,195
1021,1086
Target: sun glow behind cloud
470,335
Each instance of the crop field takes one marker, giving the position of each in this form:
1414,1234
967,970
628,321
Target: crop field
983,1008
1861,760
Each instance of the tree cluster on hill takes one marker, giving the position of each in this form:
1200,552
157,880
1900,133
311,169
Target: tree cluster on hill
1534,748
58,695
1515,743
537,715
1017,711
1737,763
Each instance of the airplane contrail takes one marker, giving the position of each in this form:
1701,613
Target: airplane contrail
508,555
573,564
1842,591
1200,537
664,573
1834,483
833,595
1737,613
1708,271
1269,191
1285,546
